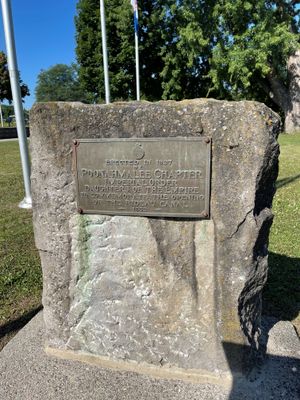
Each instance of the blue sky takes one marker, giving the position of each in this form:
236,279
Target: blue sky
44,35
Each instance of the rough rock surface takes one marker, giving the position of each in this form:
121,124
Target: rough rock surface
168,292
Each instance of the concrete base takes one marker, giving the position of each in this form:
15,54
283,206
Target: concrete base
28,373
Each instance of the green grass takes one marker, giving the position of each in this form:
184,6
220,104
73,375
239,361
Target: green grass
282,292
20,272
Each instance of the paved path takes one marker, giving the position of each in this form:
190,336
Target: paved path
8,140
27,373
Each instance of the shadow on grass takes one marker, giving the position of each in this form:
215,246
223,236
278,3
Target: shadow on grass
18,323
285,181
281,295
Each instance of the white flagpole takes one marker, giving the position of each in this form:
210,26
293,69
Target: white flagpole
17,99
137,62
104,52
136,37
1,115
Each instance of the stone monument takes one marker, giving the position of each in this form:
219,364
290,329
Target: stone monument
152,223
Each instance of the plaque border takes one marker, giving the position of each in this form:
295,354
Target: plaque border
205,214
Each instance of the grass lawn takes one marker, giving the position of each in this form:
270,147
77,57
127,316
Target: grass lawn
20,272
282,292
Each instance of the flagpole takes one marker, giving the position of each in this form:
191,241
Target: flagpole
137,62
104,52
1,115
136,37
17,99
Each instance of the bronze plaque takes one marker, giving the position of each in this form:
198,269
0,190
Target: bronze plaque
165,177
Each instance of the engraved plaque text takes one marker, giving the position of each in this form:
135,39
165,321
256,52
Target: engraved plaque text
167,177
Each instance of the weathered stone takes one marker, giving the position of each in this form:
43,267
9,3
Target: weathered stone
165,292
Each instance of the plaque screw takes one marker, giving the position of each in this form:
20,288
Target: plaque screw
205,214
80,210
75,142
207,140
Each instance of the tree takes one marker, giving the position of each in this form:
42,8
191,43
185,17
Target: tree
120,43
230,49
59,83
188,41
5,89
170,41
257,55
7,110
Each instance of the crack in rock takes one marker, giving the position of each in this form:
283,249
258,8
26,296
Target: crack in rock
240,224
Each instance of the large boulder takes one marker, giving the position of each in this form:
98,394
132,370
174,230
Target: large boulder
173,294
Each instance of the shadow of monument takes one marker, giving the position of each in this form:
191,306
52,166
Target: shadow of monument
273,377
18,323
285,181
281,295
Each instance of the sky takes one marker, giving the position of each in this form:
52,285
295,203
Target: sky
44,36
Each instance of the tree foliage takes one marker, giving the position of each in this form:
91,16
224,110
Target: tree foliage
254,42
173,47
5,89
59,83
232,49
120,41
7,110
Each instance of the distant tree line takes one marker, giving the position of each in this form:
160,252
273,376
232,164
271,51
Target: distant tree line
7,111
8,114
5,89
60,83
